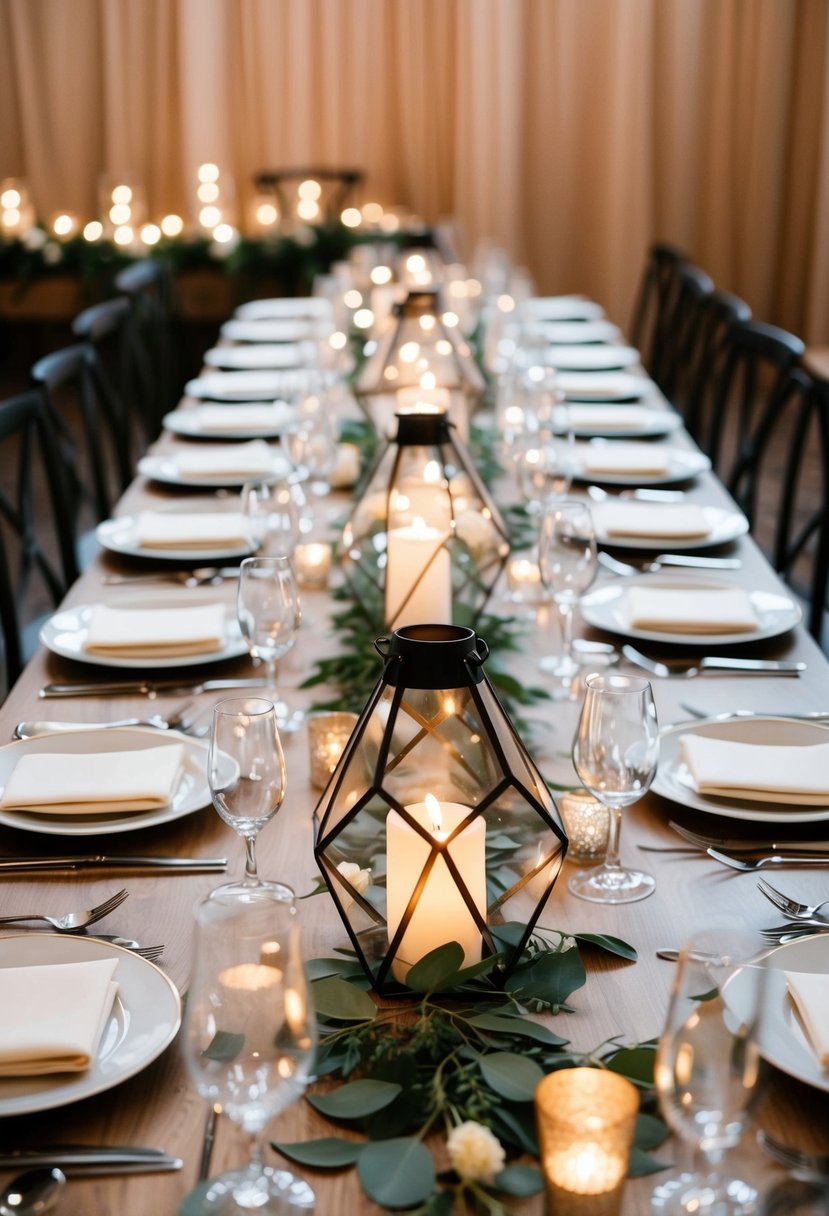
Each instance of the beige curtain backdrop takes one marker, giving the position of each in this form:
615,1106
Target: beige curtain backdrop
572,132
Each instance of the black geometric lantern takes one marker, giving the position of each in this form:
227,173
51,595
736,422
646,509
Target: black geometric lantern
425,538
436,825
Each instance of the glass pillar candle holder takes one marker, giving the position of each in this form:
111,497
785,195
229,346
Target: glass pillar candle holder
587,824
312,566
586,1119
328,734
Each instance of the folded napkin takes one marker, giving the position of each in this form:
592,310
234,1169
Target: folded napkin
569,332
223,418
171,530
563,308
236,460
155,632
651,519
63,783
247,385
651,459
346,466
790,775
601,386
268,330
810,993
605,417
590,358
286,307
689,611
263,356
52,1017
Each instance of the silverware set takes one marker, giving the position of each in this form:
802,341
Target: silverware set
810,1166
708,664
203,576
747,855
82,1160
654,565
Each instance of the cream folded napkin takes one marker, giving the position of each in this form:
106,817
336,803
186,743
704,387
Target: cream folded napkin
223,418
689,611
155,632
235,460
568,332
601,386
790,775
651,519
52,1017
171,530
248,385
590,358
605,417
652,459
62,783
262,356
285,307
269,330
810,993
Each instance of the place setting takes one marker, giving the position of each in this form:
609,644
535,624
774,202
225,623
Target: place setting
634,465
238,421
218,465
611,420
688,525
246,385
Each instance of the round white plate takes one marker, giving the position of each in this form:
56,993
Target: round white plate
783,1038
189,424
165,469
144,1020
589,358
269,330
569,333
191,793
264,357
682,465
605,609
673,780
563,308
645,423
284,307
249,385
723,525
603,386
66,631
119,536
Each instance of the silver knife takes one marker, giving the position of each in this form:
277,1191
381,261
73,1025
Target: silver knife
176,865
149,688
702,563
177,576
89,1156
743,846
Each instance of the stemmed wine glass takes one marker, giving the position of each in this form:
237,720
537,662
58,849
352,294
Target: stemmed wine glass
268,608
708,1066
312,446
615,753
567,562
271,516
246,776
249,1037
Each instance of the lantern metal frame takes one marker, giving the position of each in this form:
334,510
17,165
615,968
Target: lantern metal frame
434,700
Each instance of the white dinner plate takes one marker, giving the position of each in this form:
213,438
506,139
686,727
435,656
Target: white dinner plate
120,536
631,422
569,333
269,330
587,358
673,780
191,793
783,1039
682,465
724,524
190,425
249,385
604,608
165,469
265,356
603,386
144,1020
563,308
66,631
284,308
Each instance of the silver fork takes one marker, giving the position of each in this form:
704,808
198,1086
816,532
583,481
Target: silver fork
73,922
774,859
794,1159
794,929
180,719
791,907
201,577
740,667
663,560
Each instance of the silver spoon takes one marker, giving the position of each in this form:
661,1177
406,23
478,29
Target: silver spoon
31,1193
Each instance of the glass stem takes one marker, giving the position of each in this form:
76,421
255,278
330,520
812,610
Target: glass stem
566,613
251,872
611,861
256,1149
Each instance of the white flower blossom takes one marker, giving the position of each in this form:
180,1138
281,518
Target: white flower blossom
566,943
358,879
476,1155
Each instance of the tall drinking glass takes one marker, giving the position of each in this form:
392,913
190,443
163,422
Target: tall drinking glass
272,517
567,561
615,753
268,608
249,1036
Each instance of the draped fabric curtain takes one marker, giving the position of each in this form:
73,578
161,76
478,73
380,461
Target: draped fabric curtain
572,132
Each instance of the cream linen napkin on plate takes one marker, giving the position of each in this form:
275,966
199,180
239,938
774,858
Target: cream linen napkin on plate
241,417
237,460
262,357
64,783
690,611
247,385
605,417
288,329
810,994
789,775
170,530
52,1017
155,632
648,458
601,386
650,519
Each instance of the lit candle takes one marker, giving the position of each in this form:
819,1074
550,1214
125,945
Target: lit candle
312,565
422,400
418,577
328,734
441,914
523,575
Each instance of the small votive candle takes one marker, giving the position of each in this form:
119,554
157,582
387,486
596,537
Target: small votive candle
312,566
587,824
328,734
586,1119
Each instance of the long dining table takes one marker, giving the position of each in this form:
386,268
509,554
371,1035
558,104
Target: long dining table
159,1106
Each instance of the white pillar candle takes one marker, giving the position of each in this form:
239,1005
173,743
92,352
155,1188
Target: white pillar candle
418,587
422,400
441,914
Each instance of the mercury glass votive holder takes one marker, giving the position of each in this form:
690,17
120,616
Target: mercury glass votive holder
328,734
586,1118
312,566
587,824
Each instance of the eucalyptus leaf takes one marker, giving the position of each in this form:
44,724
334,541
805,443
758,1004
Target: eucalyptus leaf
356,1100
611,945
328,1153
517,1126
650,1132
520,1180
336,998
635,1063
512,1076
550,977
224,1046
397,1173
436,968
641,1164
522,1027
321,968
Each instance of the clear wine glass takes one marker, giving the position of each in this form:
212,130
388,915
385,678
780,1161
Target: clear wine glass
544,464
312,445
272,517
269,613
246,776
615,753
708,1067
567,561
249,1037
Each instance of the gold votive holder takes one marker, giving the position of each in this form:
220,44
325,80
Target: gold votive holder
587,824
312,565
328,734
586,1118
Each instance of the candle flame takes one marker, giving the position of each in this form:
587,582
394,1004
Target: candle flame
419,524
433,807
432,470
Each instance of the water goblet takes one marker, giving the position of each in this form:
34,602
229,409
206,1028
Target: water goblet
615,753
567,560
268,608
544,464
312,445
272,517
249,1036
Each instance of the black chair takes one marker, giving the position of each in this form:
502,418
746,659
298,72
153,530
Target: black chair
655,302
153,343
693,287
37,551
106,327
719,313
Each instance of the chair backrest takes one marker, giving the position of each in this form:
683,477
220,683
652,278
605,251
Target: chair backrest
693,287
152,350
106,326
719,313
654,305
32,545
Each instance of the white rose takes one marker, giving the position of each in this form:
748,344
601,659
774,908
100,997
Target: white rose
475,1153
358,879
